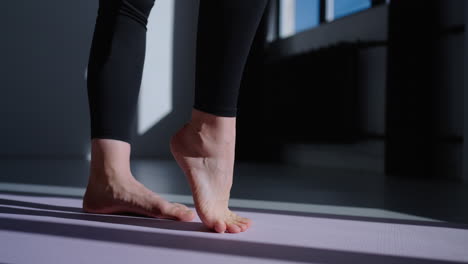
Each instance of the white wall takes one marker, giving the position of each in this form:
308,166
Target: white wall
154,143
155,100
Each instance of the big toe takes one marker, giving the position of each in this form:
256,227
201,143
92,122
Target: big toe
220,226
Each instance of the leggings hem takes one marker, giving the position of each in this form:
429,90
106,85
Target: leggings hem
228,112
124,139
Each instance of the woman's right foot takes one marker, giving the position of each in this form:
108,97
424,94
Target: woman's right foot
112,189
204,149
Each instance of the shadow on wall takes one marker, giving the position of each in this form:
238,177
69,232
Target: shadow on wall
43,103
44,98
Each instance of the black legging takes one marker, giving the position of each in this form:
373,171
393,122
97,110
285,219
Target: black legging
226,29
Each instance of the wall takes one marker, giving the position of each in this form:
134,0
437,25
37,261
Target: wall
367,26
44,106
44,54
371,25
465,97
372,84
449,152
44,51
154,143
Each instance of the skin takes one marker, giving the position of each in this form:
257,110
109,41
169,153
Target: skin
203,148
112,189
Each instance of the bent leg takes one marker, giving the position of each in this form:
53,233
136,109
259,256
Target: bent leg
204,148
226,30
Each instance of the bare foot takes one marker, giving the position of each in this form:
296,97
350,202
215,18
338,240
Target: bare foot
204,149
112,189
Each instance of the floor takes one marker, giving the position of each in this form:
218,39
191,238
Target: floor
301,214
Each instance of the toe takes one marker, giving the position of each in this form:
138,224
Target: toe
183,213
245,221
183,207
241,225
178,213
220,227
233,228
186,215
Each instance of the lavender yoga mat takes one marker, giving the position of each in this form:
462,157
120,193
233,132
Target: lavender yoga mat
54,230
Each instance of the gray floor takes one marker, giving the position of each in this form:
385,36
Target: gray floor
312,214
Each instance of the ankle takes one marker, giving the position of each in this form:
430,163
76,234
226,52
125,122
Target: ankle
217,128
109,159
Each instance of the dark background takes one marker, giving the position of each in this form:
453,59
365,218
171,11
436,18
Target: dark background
388,81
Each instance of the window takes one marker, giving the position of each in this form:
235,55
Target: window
307,14
343,8
299,15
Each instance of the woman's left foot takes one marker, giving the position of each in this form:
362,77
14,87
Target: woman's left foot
205,152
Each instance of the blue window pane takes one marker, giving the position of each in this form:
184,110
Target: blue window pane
346,7
307,14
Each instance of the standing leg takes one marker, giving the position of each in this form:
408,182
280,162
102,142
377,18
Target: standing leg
116,65
114,77
204,147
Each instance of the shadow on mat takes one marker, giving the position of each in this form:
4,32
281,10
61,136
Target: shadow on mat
150,222
77,214
207,245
